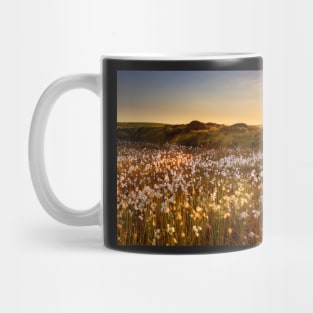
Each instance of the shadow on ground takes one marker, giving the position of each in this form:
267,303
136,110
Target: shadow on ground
67,237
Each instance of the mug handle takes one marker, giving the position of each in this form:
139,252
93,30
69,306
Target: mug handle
37,166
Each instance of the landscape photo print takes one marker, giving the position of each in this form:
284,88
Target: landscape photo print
189,158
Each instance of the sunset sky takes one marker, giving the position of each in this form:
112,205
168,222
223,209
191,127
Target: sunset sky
178,97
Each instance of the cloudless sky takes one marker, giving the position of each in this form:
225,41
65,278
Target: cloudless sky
178,97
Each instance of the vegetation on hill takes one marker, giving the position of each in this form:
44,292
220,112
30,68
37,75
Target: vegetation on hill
195,133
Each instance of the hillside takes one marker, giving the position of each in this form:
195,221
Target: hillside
194,133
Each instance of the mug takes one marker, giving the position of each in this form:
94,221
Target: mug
181,153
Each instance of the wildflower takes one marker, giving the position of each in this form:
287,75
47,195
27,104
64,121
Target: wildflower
226,215
243,215
255,213
198,209
159,185
196,229
170,229
167,210
243,201
187,205
216,207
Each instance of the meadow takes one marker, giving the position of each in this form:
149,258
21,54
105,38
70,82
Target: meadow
189,194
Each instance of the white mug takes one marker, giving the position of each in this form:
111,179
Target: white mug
182,152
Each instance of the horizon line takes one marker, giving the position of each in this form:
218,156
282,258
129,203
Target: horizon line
146,122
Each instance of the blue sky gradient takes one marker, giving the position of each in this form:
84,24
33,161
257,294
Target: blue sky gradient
178,97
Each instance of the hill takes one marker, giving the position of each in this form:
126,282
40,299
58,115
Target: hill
194,133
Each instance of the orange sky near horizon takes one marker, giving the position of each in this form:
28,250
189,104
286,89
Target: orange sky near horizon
178,97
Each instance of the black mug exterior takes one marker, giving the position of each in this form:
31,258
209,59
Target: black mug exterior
229,225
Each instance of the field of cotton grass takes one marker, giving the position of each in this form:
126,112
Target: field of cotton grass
174,195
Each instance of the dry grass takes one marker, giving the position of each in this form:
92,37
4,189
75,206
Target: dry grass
174,195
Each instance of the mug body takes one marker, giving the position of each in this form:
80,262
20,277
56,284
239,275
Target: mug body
182,153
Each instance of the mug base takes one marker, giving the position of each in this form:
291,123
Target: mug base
181,249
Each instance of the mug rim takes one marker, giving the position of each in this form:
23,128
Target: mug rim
179,57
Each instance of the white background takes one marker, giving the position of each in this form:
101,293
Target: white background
49,267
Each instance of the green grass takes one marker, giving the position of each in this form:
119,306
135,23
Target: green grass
194,134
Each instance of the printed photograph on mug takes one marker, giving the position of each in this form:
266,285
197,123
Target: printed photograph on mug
189,157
